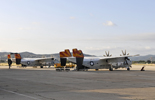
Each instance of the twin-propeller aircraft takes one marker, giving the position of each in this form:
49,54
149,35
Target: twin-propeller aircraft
83,63
105,62
32,61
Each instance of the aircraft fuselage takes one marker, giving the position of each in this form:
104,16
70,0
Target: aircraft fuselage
33,62
97,63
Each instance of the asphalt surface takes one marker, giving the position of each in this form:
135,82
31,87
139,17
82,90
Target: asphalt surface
47,84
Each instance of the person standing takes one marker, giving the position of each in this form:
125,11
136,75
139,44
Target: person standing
9,61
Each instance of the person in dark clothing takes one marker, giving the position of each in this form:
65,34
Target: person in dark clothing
142,68
9,63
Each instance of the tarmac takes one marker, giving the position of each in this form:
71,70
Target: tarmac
47,84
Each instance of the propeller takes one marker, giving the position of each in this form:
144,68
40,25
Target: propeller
107,54
124,53
126,58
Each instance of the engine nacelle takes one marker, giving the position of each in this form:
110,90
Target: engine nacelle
118,64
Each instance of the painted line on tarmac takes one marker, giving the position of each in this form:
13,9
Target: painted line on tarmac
20,94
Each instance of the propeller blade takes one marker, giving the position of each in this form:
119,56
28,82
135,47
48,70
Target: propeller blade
122,52
106,53
125,52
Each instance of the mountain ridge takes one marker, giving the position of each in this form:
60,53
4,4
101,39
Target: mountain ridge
26,54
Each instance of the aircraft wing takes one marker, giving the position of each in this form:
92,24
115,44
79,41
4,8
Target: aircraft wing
47,60
43,60
115,57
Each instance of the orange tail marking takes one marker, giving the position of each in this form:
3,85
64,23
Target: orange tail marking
17,56
65,53
77,53
9,56
74,52
68,52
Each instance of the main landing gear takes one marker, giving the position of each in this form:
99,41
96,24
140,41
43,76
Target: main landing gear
128,69
110,68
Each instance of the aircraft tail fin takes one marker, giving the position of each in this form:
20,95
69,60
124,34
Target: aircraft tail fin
18,58
79,58
64,54
77,53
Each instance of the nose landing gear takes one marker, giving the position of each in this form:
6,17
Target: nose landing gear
128,69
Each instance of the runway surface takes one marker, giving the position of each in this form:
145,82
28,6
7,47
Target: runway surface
47,84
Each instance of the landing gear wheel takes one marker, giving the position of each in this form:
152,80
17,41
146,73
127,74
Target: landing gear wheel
128,69
67,70
58,70
111,68
85,69
41,66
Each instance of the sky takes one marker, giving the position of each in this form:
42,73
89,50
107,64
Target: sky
94,26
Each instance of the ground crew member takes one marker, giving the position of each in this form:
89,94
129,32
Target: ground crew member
9,63
143,68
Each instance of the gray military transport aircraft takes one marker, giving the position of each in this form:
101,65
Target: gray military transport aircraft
50,61
105,62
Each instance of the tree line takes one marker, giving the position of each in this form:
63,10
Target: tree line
144,62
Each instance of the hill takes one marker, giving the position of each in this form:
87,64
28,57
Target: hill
3,56
145,58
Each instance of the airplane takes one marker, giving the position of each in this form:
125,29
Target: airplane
32,61
105,62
